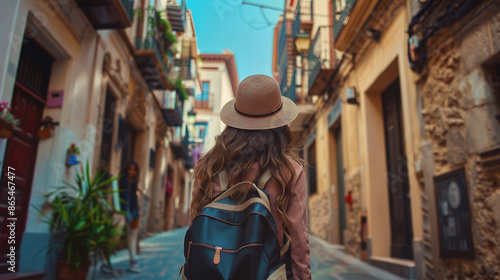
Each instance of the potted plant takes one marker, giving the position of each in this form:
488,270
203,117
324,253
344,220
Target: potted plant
7,120
72,155
82,223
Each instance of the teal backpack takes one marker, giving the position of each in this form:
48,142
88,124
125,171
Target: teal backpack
235,237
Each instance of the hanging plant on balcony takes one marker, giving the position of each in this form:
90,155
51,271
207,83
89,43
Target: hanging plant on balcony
163,24
181,89
7,120
170,37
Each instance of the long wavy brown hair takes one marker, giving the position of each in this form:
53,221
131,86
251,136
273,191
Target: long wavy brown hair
235,151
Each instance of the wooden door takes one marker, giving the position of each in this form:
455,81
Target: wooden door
28,103
397,175
20,158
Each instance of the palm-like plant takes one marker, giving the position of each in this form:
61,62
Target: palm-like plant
82,218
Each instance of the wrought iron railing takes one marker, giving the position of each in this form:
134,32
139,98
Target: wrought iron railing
129,8
291,92
173,108
283,64
341,10
149,43
154,38
296,22
319,53
282,36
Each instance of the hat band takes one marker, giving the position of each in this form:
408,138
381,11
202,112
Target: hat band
259,116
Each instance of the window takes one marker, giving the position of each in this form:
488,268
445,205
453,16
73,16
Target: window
202,98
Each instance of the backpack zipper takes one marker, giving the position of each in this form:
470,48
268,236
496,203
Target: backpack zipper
219,249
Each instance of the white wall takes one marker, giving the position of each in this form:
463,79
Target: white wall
220,93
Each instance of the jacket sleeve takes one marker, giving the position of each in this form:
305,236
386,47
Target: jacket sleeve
296,212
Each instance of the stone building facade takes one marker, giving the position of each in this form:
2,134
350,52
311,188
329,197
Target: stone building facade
459,91
387,140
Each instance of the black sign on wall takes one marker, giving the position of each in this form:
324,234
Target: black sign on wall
454,217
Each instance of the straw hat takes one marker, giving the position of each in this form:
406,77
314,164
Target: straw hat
258,105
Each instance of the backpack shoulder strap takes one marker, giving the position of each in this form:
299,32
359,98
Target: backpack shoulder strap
264,178
262,181
223,180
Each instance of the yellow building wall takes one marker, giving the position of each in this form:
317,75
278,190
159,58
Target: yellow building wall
364,155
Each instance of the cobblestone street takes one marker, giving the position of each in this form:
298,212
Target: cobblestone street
161,257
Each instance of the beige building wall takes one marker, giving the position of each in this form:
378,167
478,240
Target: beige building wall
376,66
220,93
87,64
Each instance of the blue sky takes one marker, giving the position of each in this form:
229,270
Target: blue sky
244,29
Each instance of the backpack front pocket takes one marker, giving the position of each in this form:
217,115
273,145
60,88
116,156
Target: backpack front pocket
216,262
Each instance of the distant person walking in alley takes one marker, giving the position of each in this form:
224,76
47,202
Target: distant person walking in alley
130,205
256,146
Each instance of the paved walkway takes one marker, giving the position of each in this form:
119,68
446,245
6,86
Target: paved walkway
162,256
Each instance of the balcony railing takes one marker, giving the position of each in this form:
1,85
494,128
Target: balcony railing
150,53
283,64
341,9
296,22
282,36
291,91
319,57
129,8
303,18
150,43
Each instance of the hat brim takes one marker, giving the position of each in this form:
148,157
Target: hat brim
286,115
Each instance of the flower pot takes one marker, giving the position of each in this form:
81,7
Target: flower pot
66,271
71,159
45,132
5,129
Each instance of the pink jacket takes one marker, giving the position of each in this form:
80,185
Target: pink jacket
296,212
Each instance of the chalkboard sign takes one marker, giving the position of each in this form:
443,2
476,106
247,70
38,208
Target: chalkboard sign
454,218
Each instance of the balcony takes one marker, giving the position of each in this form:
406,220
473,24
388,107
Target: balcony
290,91
179,150
303,18
108,14
351,16
188,147
321,59
173,110
177,16
342,10
149,54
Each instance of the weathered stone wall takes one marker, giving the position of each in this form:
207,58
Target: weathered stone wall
320,212
460,104
352,236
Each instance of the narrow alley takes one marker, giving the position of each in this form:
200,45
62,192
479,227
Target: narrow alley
161,257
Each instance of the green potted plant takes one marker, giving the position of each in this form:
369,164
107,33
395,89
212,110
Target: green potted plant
7,120
82,223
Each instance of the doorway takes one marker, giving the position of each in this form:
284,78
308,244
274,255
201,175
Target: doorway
397,175
28,103
107,132
337,133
